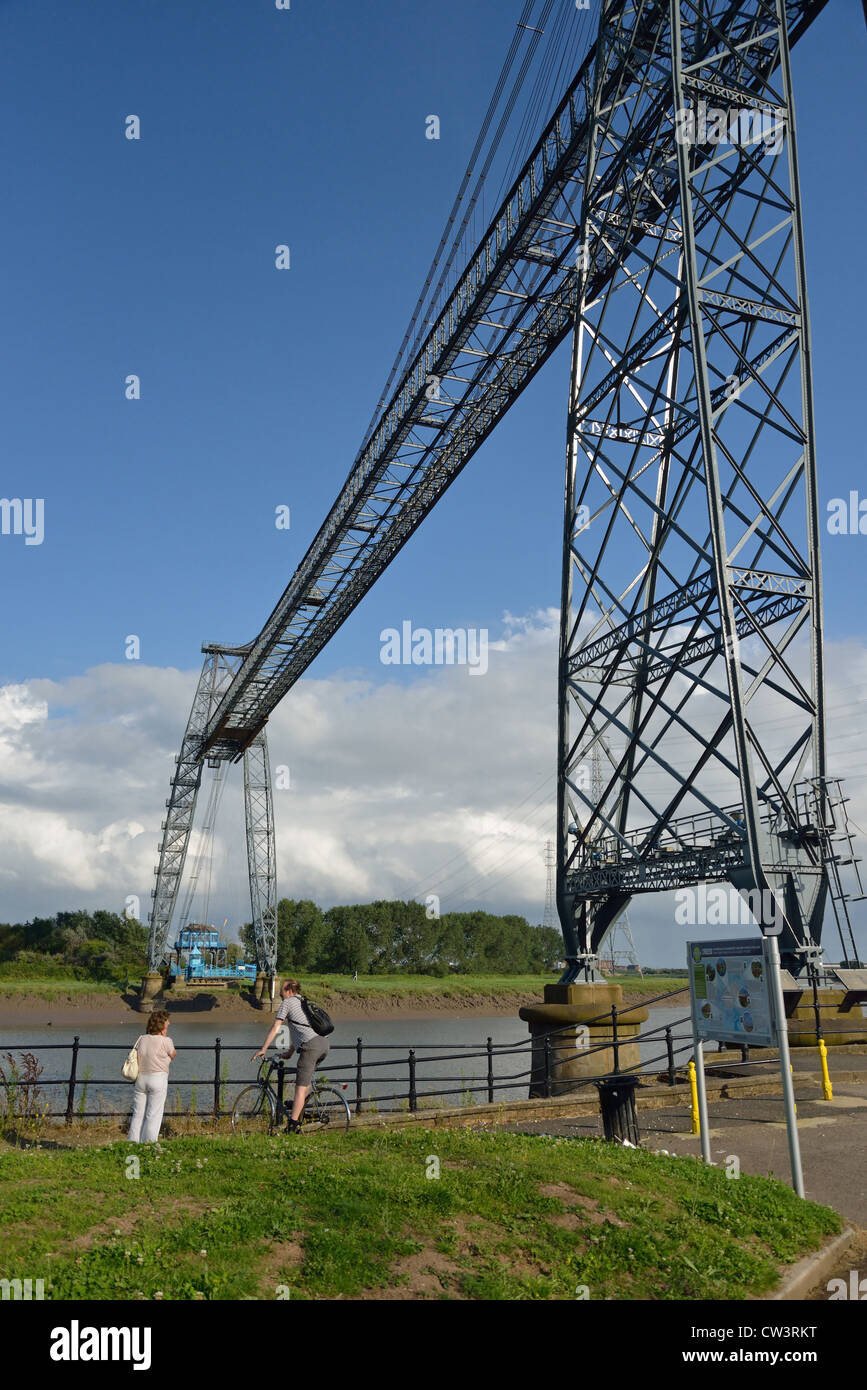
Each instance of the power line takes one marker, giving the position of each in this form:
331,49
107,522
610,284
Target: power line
448,231
435,874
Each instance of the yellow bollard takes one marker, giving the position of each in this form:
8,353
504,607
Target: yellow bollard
827,1092
693,1091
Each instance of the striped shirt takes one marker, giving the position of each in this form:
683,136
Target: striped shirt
291,1012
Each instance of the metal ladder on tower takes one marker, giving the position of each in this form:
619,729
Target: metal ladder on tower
615,956
838,849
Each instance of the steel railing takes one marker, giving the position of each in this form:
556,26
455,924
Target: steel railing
361,1072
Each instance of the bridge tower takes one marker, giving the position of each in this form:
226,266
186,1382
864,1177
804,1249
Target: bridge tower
220,667
691,658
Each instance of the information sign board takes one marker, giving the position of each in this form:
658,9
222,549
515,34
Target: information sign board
729,992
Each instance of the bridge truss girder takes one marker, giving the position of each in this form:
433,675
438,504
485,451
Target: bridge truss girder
517,299
261,851
511,307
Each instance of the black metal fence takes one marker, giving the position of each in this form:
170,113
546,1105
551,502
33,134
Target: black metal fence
361,1071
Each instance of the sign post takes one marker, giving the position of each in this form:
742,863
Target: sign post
736,995
772,956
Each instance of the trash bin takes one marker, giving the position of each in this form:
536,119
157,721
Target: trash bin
617,1104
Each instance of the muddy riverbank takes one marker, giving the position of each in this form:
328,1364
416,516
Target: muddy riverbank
87,1009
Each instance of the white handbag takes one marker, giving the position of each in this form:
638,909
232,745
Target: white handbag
130,1066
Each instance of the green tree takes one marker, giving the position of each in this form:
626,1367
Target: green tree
415,940
302,935
546,949
247,940
349,946
379,937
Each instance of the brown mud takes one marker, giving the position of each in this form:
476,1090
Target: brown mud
17,1011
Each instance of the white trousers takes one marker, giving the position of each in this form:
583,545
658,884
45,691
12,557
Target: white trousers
148,1106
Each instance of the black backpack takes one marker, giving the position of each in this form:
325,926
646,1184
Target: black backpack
317,1017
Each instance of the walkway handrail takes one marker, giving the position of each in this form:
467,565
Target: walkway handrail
360,1068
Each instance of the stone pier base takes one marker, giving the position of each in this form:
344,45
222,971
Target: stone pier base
572,1007
838,1028
151,988
266,993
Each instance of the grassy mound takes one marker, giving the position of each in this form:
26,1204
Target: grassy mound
394,1214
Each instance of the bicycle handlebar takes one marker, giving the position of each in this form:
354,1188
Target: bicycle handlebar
268,1064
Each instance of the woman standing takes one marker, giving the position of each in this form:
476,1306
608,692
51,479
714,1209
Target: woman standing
155,1053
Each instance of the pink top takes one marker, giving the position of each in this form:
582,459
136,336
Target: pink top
154,1053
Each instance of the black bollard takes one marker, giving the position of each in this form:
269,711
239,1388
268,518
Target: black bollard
617,1104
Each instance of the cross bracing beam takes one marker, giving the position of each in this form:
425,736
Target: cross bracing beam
788,595
512,307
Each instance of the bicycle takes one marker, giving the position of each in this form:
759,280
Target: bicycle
259,1110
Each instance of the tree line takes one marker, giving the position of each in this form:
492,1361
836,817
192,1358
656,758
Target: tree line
380,938
391,938
87,945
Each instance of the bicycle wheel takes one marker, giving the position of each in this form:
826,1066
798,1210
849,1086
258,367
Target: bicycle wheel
254,1111
326,1109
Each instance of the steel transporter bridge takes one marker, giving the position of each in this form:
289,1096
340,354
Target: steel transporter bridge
691,646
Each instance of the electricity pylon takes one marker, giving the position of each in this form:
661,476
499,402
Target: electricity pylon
617,956
550,885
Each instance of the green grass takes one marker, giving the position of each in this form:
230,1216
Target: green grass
448,985
510,1217
336,987
457,986
54,988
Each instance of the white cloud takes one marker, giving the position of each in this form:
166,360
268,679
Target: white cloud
18,708
434,784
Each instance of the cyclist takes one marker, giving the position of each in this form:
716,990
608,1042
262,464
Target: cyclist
311,1047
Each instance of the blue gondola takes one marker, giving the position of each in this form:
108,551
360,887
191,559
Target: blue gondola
195,942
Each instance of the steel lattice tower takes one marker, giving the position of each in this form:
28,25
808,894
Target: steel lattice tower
550,885
691,626
220,666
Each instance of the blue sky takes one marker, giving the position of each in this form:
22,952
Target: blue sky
156,257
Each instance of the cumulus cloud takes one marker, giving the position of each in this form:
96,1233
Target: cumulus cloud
412,782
